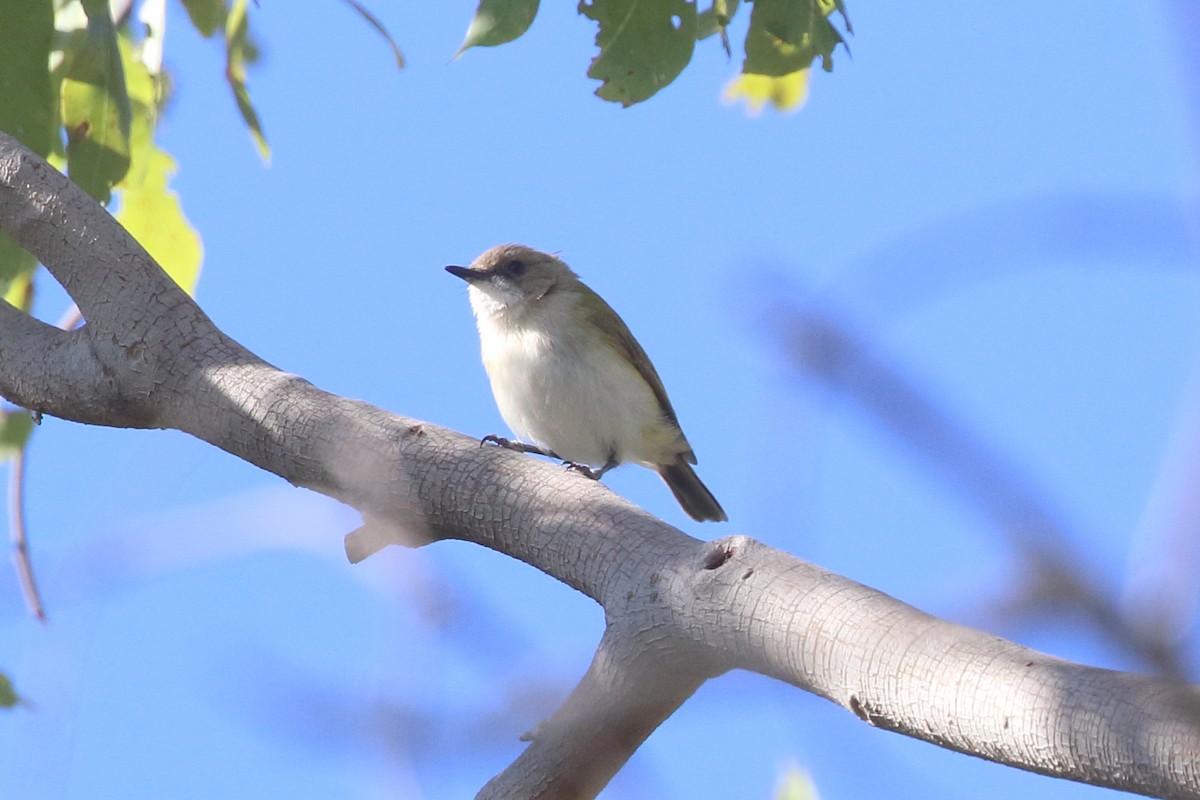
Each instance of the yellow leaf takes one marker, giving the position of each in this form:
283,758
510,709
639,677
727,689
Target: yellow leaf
785,93
150,209
796,784
20,290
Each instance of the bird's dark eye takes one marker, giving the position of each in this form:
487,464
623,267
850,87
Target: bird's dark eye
516,267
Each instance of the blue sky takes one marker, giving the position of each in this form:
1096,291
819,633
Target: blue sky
1000,202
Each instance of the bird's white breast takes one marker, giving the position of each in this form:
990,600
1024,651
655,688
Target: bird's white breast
559,384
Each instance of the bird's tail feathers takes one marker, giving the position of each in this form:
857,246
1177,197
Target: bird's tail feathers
691,493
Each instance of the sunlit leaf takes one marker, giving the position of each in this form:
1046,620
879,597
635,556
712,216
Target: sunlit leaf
19,288
788,35
95,106
15,264
374,22
15,427
206,15
238,51
796,784
498,22
644,45
150,210
28,107
784,93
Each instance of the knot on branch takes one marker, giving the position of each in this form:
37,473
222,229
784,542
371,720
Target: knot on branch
864,711
722,550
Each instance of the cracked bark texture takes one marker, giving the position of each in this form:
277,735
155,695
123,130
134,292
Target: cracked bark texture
678,611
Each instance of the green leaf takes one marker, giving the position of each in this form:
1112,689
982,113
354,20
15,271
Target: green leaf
715,18
150,211
643,45
15,427
374,22
95,105
239,50
498,22
206,15
829,6
786,36
8,695
28,104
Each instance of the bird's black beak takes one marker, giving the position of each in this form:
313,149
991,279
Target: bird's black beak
468,275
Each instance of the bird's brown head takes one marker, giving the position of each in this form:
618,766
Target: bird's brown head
513,274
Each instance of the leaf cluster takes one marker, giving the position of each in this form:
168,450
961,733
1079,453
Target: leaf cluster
645,44
85,90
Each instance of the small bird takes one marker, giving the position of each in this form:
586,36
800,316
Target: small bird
569,377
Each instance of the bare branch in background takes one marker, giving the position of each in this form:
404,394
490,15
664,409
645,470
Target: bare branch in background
825,348
16,528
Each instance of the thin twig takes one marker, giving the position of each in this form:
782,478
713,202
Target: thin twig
16,507
827,349
70,319
16,527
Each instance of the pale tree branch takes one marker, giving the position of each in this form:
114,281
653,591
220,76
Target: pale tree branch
637,679
678,611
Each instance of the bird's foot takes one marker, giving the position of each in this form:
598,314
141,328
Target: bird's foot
499,441
588,472
520,447
583,469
